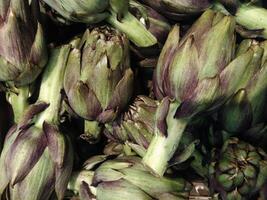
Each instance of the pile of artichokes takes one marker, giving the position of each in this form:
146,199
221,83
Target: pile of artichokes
133,99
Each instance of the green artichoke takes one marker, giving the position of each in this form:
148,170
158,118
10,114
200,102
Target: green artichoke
114,12
137,125
239,171
37,158
23,50
98,79
125,178
178,9
246,109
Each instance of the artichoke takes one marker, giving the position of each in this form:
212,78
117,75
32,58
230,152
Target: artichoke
246,109
114,12
178,9
191,85
23,53
37,158
125,178
136,126
239,170
98,80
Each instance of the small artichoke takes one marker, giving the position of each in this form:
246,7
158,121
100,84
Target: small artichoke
178,9
137,125
239,171
37,158
98,80
125,178
23,53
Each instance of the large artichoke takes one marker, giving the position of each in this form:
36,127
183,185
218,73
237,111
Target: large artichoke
125,178
194,75
178,9
239,170
37,159
98,79
23,49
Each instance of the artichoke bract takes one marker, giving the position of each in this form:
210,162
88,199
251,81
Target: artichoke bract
125,178
23,50
98,80
37,158
193,75
178,9
239,171
246,109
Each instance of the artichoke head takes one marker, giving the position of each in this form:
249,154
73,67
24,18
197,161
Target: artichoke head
98,79
239,171
23,50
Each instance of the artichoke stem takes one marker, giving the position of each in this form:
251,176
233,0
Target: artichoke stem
133,29
92,131
19,102
52,84
163,147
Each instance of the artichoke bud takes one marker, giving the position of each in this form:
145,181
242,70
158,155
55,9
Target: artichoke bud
236,115
137,124
98,79
186,79
23,54
241,176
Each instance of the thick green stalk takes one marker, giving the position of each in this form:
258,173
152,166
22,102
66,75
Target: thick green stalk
133,29
52,84
163,147
19,101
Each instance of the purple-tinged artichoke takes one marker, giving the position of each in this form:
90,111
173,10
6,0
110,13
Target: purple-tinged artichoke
98,79
195,74
178,9
37,158
22,46
238,171
125,178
